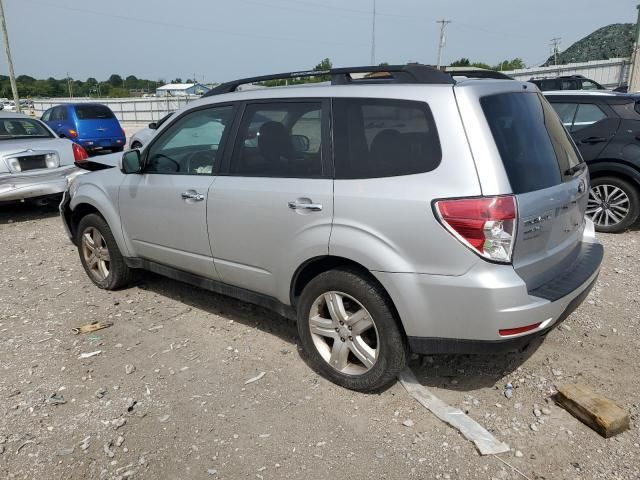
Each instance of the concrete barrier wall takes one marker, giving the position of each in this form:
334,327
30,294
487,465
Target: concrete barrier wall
609,73
127,110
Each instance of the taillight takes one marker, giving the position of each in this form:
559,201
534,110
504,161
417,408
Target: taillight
73,133
487,225
79,153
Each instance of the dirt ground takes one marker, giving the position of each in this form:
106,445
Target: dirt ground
166,396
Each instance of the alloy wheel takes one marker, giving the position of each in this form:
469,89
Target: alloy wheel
344,333
608,205
96,254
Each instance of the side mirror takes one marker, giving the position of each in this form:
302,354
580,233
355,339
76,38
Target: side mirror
153,126
300,143
131,162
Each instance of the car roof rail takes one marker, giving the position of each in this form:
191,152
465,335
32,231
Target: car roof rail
412,73
477,73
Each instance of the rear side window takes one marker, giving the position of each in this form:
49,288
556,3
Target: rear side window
535,148
93,112
280,139
566,112
376,138
588,114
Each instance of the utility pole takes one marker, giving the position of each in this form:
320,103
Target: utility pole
443,24
634,74
7,49
69,85
555,45
373,35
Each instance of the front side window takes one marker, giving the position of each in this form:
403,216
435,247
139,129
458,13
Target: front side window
280,139
376,138
588,114
192,144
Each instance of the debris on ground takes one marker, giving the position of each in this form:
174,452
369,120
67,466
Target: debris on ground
56,399
486,443
592,409
91,327
256,378
89,355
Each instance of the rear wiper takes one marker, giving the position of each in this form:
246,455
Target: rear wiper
575,169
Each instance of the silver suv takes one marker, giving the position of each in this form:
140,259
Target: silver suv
395,212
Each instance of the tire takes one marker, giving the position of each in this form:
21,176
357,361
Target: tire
614,204
136,145
109,271
364,302
117,149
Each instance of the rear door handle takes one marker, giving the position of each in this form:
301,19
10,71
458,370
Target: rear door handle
297,205
594,140
192,195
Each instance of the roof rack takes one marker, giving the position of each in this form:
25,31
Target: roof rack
475,72
411,73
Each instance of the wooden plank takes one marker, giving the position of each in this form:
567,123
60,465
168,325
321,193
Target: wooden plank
594,410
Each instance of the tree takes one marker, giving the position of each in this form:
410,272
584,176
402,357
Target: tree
462,62
323,65
115,80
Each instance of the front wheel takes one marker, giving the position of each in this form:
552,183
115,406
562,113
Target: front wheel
349,332
99,254
614,204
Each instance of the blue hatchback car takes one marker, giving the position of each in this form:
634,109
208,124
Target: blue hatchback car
92,125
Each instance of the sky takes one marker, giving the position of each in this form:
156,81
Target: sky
218,40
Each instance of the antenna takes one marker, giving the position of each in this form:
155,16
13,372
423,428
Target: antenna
443,24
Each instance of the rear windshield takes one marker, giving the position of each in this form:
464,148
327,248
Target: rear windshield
11,128
93,112
536,150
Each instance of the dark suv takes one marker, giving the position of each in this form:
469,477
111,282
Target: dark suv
566,82
606,129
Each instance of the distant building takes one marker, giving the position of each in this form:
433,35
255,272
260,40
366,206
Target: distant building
181,90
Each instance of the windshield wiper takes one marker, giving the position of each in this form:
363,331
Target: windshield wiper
570,172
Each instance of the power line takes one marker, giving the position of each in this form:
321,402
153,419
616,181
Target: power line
443,24
191,27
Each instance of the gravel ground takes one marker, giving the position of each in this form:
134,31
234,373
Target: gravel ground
166,396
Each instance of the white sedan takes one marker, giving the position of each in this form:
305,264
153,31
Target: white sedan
34,163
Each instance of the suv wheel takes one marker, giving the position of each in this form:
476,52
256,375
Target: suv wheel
100,255
349,332
614,204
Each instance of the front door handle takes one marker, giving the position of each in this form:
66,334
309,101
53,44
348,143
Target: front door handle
192,195
298,205
591,140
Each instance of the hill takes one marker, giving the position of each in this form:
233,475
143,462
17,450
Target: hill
612,41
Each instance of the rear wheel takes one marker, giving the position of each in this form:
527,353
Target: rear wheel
349,332
614,204
99,254
117,149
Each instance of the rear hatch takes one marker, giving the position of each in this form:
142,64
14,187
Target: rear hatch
548,178
97,122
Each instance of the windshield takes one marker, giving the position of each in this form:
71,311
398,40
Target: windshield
93,112
22,128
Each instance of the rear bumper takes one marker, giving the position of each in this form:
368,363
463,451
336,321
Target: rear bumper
92,144
464,314
15,187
